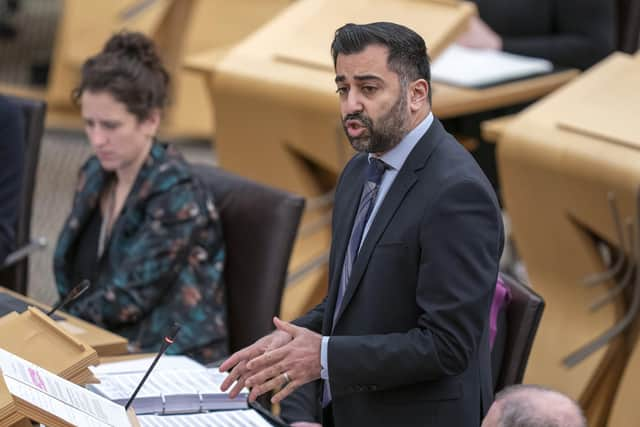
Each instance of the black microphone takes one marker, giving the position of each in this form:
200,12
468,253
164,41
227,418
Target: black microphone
78,290
168,340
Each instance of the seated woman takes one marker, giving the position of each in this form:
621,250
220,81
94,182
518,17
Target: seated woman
142,228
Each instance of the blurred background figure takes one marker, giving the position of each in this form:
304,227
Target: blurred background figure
142,229
526,405
7,9
11,169
569,33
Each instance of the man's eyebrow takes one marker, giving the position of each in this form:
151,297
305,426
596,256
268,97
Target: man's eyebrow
341,78
367,77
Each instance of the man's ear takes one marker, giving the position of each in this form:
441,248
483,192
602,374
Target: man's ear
418,94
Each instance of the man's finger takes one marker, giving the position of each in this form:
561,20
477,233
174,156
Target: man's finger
272,384
267,359
237,388
264,375
233,376
245,354
287,327
285,391
234,359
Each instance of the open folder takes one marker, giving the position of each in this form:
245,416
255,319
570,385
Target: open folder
189,389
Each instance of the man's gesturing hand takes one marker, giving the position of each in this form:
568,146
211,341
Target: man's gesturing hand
238,360
287,367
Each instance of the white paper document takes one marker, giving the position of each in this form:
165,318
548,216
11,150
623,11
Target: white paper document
57,396
166,362
245,418
461,66
171,391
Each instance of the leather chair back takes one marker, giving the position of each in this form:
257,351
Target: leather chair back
259,225
522,318
16,276
628,25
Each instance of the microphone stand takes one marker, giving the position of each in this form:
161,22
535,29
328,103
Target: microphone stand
78,290
168,340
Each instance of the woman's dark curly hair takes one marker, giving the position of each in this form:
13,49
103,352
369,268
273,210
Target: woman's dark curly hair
128,68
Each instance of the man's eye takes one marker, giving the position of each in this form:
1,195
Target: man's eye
110,125
369,90
341,90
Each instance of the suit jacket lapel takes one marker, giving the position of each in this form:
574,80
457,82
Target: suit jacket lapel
406,178
341,234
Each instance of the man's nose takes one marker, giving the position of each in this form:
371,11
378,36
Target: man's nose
353,103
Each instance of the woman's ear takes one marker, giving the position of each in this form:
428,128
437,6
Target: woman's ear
151,124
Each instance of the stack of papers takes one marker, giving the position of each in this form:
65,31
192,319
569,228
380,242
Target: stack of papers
35,337
8,411
476,68
177,385
48,399
245,418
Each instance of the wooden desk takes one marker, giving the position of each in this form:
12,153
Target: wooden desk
491,130
450,101
104,342
559,160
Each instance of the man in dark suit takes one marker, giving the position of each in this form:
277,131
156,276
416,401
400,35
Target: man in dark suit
402,336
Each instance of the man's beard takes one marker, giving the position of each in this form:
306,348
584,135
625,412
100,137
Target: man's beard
382,136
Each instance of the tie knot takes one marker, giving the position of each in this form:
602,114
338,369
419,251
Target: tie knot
375,170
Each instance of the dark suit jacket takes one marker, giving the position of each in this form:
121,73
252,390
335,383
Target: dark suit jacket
572,33
410,346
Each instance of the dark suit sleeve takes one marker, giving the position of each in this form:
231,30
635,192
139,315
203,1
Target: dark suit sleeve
11,169
460,241
584,34
313,319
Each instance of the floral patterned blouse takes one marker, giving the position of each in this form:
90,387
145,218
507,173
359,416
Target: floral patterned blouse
163,262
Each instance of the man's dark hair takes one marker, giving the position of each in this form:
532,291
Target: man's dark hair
521,409
407,51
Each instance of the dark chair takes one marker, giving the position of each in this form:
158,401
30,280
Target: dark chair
16,275
522,317
628,25
259,227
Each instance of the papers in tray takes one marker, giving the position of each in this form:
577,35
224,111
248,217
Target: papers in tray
54,401
166,362
168,390
240,418
476,68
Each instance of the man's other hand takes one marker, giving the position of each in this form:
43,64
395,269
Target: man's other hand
237,362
